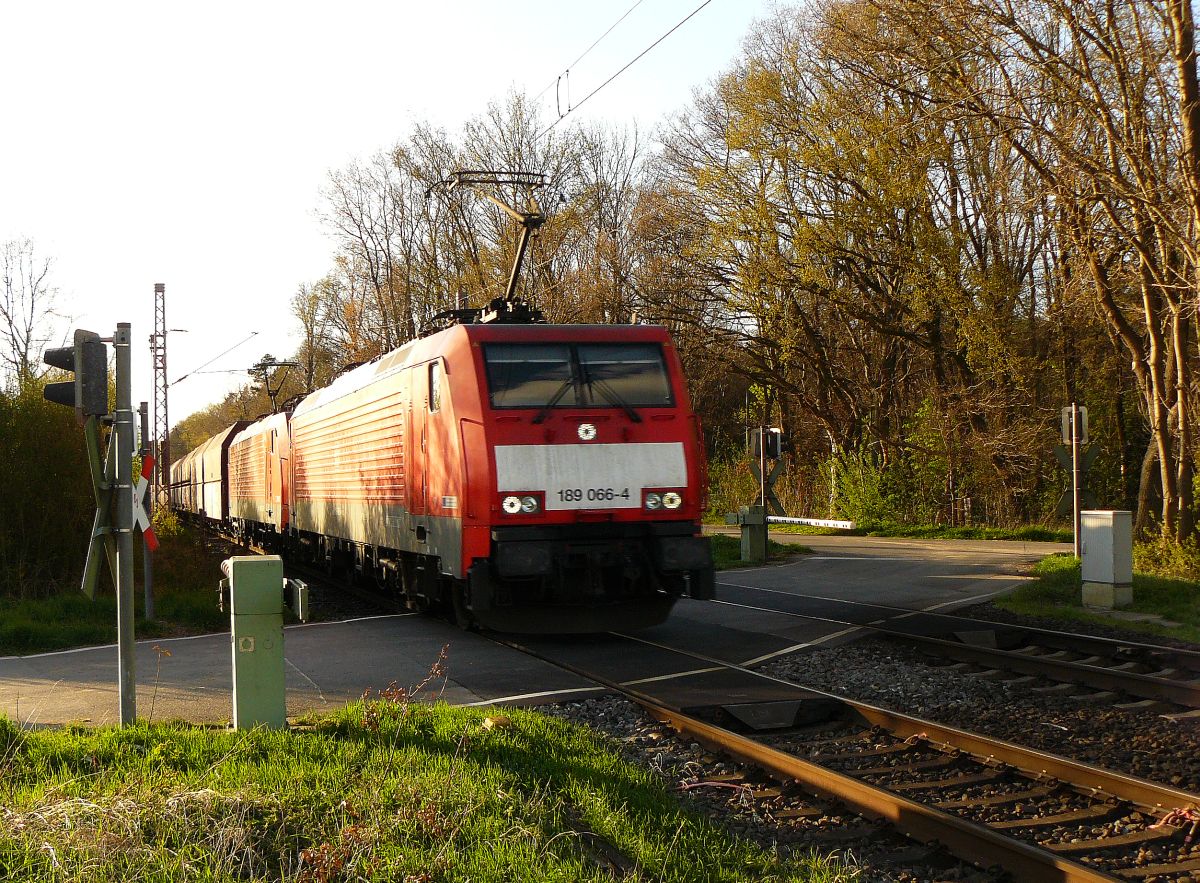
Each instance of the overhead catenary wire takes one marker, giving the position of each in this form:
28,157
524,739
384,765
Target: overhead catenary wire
595,43
213,359
628,65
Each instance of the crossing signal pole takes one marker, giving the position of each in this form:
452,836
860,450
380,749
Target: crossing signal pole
112,529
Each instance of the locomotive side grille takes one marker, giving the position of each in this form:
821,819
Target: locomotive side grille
356,454
246,481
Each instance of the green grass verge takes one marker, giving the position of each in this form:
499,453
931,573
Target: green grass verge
727,550
185,583
1056,593
387,790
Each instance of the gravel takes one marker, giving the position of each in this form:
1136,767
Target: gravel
721,790
880,672
884,673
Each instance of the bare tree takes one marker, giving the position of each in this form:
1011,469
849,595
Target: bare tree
26,310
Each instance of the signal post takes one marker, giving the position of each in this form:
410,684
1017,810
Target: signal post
112,529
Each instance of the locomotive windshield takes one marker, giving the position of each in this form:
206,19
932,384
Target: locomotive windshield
578,375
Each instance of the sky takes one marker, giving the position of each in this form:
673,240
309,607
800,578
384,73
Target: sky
188,145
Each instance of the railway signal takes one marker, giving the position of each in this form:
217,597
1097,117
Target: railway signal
87,393
1075,460
767,443
112,528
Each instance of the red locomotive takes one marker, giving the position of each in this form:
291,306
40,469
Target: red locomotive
530,477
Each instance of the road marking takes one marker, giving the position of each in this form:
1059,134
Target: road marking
670,677
304,625
308,625
983,597
1015,576
860,558
813,643
658,678
905,611
540,695
300,672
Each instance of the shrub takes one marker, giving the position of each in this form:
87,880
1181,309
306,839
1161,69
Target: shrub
46,501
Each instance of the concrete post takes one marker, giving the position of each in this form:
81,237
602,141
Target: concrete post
753,520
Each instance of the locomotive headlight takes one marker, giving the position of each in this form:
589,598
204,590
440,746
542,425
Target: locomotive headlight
653,501
529,505
671,500
512,505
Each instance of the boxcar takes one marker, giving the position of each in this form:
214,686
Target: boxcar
200,480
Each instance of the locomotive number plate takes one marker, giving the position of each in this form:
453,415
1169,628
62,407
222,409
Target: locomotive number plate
592,475
593,494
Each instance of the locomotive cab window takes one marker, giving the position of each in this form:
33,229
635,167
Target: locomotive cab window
595,375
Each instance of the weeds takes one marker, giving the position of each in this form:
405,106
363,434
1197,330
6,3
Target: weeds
392,703
186,571
402,796
727,550
159,653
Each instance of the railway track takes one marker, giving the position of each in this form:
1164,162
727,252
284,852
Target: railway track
989,802
986,801
1167,679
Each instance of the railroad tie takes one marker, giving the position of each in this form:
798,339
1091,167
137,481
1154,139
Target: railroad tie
1096,811
1147,835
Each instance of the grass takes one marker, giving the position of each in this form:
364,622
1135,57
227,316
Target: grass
727,550
186,572
384,790
1056,594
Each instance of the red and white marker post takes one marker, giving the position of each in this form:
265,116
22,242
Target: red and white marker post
140,517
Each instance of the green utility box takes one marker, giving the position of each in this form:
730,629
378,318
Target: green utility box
256,591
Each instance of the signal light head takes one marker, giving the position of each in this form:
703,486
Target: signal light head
88,358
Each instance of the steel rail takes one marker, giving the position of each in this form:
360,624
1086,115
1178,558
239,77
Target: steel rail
967,840
1094,780
1146,686
964,839
1150,795
1134,683
1045,637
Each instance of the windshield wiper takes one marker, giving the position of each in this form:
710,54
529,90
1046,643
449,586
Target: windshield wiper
554,400
614,398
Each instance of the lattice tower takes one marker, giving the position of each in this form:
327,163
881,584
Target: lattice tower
158,357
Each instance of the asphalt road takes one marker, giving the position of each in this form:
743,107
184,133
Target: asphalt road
761,613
